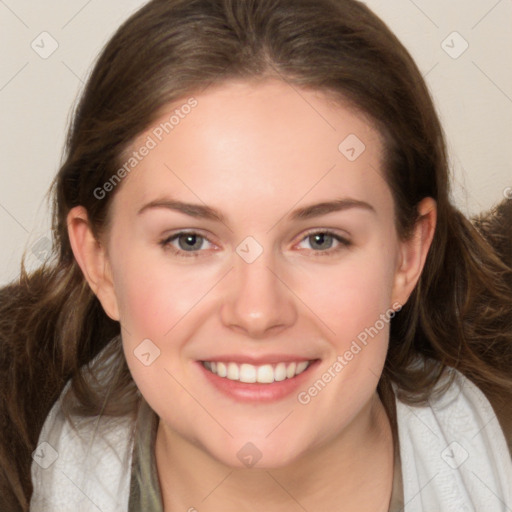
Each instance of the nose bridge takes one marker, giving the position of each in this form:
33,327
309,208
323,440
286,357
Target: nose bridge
257,301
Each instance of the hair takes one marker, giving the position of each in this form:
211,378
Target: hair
496,226
53,329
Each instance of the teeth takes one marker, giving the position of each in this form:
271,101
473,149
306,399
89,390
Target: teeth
233,371
301,367
280,372
222,370
264,374
248,373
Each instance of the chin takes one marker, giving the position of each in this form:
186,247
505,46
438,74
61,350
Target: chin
258,452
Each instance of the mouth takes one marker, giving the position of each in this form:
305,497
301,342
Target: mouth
262,374
263,382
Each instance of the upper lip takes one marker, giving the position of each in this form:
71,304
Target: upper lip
258,360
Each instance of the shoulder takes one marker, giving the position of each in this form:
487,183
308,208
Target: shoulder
85,464
453,450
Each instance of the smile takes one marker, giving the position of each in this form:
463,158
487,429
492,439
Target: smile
262,374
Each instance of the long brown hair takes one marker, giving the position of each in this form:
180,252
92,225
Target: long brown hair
52,327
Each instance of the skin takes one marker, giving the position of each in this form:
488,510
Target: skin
255,152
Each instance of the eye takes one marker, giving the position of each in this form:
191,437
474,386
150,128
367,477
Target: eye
189,244
322,242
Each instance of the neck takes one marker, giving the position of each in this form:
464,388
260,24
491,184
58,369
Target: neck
352,472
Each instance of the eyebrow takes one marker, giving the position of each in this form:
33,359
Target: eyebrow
307,212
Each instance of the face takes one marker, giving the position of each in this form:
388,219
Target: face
256,241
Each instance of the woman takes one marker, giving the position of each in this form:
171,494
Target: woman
215,353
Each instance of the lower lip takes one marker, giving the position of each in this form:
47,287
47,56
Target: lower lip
257,392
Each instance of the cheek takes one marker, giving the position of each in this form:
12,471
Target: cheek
355,308
350,296
154,300
153,294
353,302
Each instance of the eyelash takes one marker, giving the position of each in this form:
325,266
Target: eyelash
166,243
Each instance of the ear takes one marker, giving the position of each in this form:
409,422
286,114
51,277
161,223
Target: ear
413,252
91,256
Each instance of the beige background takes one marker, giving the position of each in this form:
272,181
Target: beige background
472,88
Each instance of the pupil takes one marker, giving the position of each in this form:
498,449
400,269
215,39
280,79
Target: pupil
190,241
322,238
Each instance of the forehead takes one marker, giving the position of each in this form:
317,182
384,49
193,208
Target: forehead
244,143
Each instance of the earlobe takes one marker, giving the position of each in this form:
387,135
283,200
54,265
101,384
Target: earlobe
413,252
92,259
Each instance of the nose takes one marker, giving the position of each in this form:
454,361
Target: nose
258,301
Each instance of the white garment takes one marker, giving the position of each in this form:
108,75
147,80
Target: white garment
90,469
453,452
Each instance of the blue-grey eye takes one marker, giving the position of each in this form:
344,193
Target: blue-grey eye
190,241
322,241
